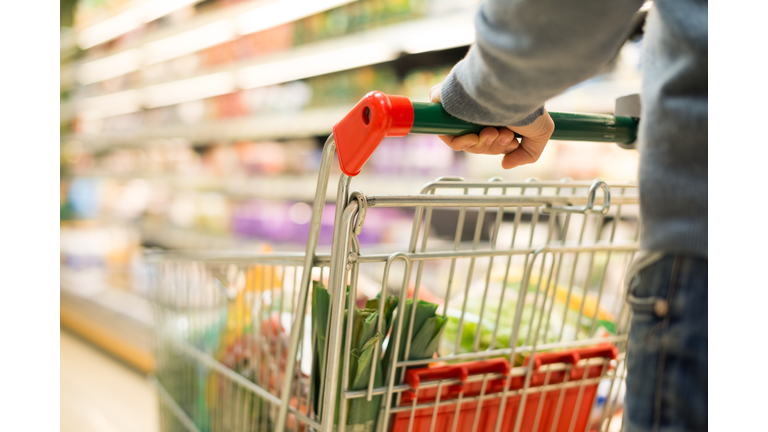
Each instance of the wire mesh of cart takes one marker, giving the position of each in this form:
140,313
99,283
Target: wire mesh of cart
504,312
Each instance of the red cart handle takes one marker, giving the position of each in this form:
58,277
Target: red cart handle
608,351
415,376
460,371
379,115
573,356
542,359
360,131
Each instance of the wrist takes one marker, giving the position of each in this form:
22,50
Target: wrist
530,118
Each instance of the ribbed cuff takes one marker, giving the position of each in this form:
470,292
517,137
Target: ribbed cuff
458,102
530,119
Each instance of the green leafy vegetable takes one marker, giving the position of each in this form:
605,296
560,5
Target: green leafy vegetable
362,414
427,328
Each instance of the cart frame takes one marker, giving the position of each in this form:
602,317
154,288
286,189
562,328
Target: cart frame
346,256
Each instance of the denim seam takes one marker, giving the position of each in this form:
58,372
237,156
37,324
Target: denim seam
641,261
673,280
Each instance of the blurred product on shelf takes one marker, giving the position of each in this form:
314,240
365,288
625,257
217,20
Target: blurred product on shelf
288,222
86,244
178,185
141,201
412,155
281,98
96,256
592,160
342,88
260,190
92,198
415,155
273,158
418,82
562,159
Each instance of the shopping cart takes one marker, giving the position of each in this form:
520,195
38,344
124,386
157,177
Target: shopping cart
525,328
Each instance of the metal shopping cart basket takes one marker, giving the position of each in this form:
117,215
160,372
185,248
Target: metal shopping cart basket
511,320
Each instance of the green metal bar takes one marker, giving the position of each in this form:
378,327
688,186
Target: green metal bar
431,118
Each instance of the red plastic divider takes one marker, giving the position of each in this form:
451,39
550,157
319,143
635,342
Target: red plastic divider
555,406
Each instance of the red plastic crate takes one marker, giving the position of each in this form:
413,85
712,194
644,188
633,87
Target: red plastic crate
486,420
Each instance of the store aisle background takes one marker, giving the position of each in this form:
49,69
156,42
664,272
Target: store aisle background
101,394
199,124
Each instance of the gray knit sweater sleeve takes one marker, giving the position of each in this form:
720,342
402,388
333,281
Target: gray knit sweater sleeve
528,51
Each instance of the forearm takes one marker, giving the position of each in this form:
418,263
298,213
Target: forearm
528,51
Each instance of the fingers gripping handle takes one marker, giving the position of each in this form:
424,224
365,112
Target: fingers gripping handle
379,115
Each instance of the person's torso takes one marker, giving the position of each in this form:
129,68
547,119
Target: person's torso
673,128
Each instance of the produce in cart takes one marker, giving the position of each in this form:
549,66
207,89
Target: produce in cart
498,317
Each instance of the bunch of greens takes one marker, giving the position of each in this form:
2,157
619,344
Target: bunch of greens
425,336
365,322
362,414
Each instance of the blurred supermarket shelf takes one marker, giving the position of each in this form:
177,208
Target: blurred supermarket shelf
373,46
594,96
66,110
231,12
311,122
67,78
152,36
168,236
304,61
117,319
67,41
292,187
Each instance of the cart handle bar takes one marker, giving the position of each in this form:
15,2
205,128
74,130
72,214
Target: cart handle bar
378,115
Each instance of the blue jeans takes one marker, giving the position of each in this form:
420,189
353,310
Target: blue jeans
667,350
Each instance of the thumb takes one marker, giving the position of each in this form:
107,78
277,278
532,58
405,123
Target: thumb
434,93
528,152
535,138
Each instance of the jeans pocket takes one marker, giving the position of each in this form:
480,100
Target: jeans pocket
647,291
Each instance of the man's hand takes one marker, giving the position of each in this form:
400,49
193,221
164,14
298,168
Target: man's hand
492,141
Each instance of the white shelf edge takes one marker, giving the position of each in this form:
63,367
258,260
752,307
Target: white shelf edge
126,303
311,122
